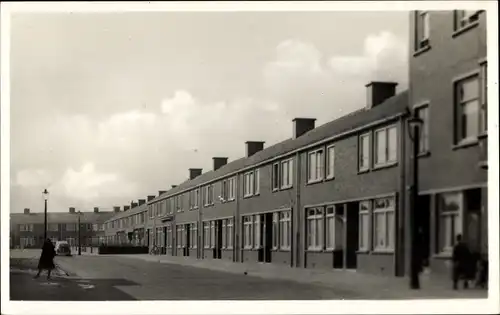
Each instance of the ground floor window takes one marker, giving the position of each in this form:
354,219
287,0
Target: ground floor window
212,234
230,233
364,225
193,235
383,223
180,235
168,236
334,227
247,232
285,225
206,234
257,232
27,241
449,207
315,228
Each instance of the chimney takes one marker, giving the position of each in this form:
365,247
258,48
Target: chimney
125,208
133,205
194,172
161,192
71,210
151,197
378,92
302,125
173,186
141,201
254,147
26,210
219,162
96,209
116,209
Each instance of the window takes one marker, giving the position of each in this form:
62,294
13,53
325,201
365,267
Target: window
315,229
276,176
206,234
449,208
26,227
334,227
315,166
150,211
423,113
285,229
193,235
276,230
180,235
230,231
208,195
168,238
286,178
484,98
330,162
464,18
422,30
247,228
386,140
364,152
53,227
224,190
224,234
257,232
383,223
232,188
467,104
364,225
179,203
212,234
248,184
257,182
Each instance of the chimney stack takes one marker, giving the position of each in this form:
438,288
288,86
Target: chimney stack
116,209
96,209
26,210
253,147
133,205
173,186
302,125
125,208
194,172
141,201
219,162
151,197
71,210
377,92
161,192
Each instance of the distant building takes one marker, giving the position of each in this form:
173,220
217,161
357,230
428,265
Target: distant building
27,229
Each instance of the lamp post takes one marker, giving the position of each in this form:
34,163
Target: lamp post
414,128
79,235
45,194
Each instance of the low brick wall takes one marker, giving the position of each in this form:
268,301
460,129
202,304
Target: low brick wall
116,250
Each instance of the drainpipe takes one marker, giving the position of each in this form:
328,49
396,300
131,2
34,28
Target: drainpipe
400,254
295,242
236,225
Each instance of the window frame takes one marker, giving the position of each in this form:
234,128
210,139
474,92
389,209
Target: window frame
285,219
458,106
387,161
319,169
275,177
422,30
318,236
193,235
257,232
247,225
364,155
384,212
465,19
483,95
441,248
288,164
424,144
327,164
365,212
230,233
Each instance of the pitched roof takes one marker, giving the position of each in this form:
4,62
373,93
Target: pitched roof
59,217
124,214
397,104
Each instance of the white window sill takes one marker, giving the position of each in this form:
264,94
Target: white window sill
315,250
421,50
286,187
465,28
363,251
314,181
465,143
384,165
383,251
363,170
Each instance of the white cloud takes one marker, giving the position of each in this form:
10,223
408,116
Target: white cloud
33,178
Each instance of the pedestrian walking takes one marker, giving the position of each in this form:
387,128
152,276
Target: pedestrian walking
46,261
461,263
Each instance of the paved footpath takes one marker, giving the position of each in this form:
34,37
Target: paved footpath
147,277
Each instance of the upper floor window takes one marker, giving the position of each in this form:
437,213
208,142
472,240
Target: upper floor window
464,18
208,195
286,174
423,113
251,183
229,189
330,162
315,166
467,109
26,227
53,227
386,146
364,152
422,29
276,176
484,98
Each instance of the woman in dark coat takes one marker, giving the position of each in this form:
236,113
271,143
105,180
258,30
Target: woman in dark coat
46,261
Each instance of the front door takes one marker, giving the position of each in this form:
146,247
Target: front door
268,237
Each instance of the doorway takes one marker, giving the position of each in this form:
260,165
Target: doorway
218,240
352,235
187,244
268,237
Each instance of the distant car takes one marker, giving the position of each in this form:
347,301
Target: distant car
62,248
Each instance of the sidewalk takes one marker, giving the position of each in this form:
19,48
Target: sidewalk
368,285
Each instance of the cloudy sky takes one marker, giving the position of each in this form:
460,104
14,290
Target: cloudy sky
108,108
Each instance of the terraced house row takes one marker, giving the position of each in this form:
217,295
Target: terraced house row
337,195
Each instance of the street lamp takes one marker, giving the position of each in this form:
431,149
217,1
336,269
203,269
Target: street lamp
45,194
414,129
79,235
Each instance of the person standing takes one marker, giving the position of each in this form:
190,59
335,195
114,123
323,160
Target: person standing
46,261
461,258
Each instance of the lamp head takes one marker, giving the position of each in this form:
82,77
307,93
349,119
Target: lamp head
45,194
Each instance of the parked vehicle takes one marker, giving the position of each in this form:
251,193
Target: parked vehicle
63,248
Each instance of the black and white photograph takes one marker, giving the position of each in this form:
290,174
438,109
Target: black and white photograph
249,157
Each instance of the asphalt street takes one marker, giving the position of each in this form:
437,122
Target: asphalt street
155,281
